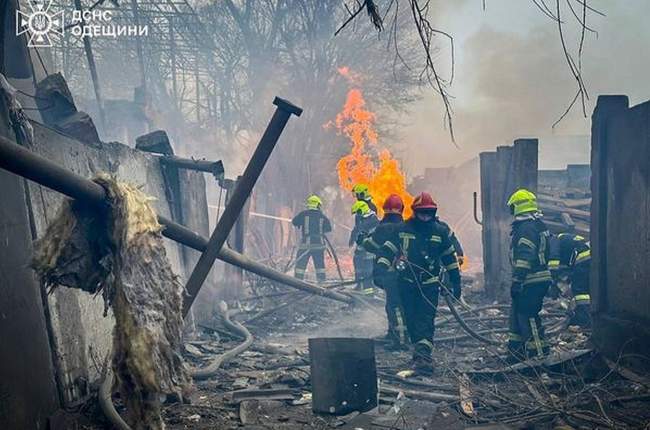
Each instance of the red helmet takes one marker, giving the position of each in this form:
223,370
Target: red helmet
393,204
424,202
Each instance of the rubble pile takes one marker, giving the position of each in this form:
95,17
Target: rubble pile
268,386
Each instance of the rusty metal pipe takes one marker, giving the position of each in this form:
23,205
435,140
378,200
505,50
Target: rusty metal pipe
20,161
243,189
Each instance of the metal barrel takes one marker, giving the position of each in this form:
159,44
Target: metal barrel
343,375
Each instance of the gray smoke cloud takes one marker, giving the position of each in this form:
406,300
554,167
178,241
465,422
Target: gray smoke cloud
512,80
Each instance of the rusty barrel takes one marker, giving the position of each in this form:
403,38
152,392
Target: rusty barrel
343,375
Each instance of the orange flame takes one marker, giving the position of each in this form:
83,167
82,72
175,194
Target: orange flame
365,163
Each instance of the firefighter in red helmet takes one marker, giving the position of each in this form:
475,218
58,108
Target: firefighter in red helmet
387,280
418,250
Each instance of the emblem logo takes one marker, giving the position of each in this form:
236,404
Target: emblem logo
40,22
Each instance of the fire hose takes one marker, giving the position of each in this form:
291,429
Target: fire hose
334,256
448,295
212,368
463,324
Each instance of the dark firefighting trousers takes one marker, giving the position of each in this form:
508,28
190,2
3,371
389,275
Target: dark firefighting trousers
526,338
394,314
580,289
420,304
363,262
317,254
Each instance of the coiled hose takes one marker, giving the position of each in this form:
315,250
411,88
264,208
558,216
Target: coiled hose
212,368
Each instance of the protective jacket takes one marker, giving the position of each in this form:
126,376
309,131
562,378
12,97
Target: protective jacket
454,239
424,248
313,225
530,250
373,243
571,254
567,250
362,224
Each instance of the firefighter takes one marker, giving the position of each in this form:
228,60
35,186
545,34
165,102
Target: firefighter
571,255
419,249
531,278
365,221
393,208
460,254
313,225
362,193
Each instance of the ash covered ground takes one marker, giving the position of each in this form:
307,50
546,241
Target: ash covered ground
268,385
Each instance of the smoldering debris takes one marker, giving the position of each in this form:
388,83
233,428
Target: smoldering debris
119,252
269,386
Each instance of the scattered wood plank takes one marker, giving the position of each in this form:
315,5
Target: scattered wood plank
465,394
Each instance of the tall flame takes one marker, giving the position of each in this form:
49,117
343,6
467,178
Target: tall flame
366,163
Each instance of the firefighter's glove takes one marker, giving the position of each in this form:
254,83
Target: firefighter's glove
516,289
461,260
363,235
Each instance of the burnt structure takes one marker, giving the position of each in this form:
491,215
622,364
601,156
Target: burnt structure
620,225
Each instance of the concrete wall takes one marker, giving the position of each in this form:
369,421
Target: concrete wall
502,172
621,226
81,334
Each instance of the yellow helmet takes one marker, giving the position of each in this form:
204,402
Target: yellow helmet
361,191
522,201
313,202
360,207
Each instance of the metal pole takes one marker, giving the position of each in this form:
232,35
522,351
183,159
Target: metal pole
214,167
93,68
172,60
243,190
20,161
138,47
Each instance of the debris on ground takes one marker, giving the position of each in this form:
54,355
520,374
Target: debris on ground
269,387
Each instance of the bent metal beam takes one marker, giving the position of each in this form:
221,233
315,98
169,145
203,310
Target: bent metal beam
242,192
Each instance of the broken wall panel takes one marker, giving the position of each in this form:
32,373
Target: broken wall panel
620,283
503,172
82,335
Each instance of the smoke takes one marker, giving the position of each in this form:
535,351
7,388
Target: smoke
512,80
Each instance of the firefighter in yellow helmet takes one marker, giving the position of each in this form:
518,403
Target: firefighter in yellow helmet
531,278
313,224
362,193
365,221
